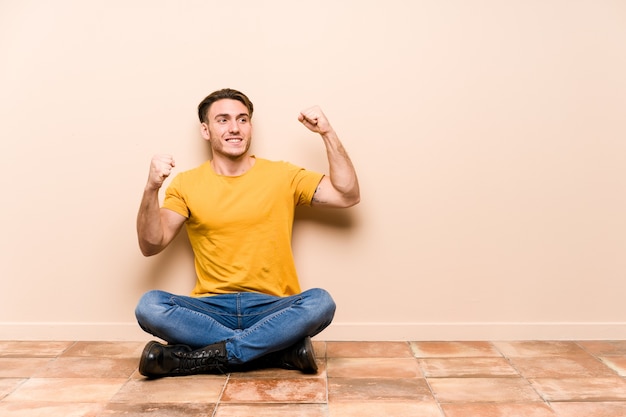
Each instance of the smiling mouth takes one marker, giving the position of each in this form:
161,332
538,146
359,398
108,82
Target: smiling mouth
234,140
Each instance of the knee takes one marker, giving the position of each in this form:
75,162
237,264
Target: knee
323,302
149,304
321,307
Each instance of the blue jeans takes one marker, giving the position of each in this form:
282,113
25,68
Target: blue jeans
251,324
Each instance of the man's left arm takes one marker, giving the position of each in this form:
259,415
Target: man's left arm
341,187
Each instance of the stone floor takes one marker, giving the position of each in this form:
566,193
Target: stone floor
425,379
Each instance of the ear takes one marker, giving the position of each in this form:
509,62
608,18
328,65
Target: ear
205,132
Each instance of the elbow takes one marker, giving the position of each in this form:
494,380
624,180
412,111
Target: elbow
354,201
355,197
148,253
351,199
148,250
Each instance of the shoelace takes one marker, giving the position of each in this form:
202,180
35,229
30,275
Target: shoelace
203,360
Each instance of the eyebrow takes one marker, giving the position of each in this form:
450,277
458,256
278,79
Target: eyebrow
228,115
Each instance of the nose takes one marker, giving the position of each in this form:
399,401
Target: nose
234,126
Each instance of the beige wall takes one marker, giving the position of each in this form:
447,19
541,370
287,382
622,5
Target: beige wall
489,136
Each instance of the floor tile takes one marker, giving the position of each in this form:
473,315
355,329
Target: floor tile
469,390
380,409
581,389
378,389
8,385
616,363
467,367
319,347
453,349
277,373
22,367
539,348
26,349
573,366
272,410
199,409
87,367
301,390
373,368
188,389
590,409
368,350
67,390
106,350
604,347
498,410
49,409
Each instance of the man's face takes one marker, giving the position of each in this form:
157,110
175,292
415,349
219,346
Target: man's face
228,128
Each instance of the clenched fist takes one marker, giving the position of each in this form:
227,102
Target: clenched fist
160,168
315,120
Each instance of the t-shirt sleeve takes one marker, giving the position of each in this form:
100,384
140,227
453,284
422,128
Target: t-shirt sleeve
304,183
174,197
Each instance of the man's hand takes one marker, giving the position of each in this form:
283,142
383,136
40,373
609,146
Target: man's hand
160,168
315,120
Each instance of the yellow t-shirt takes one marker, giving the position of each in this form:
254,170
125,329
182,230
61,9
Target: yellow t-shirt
240,227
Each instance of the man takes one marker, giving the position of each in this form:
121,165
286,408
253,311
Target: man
247,309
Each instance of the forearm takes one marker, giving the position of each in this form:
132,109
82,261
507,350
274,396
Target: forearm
341,170
149,227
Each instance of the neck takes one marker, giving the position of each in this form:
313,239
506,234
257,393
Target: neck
232,167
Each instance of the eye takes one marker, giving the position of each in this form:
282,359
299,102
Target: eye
243,120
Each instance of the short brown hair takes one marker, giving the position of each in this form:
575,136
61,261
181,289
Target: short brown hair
225,93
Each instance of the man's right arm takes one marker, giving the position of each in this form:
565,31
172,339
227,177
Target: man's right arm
157,227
